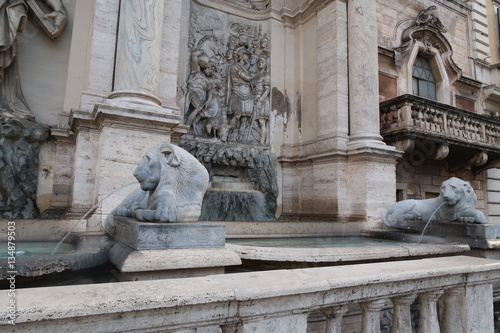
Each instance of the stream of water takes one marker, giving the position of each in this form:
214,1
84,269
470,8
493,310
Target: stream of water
428,222
87,213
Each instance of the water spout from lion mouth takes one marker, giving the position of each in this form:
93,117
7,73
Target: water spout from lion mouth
450,202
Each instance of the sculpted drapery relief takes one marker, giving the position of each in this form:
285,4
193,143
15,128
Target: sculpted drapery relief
20,135
227,91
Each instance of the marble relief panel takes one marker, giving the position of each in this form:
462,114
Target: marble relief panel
228,86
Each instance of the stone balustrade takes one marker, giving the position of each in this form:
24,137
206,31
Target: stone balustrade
409,115
272,301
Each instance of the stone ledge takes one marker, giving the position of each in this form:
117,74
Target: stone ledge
167,305
129,260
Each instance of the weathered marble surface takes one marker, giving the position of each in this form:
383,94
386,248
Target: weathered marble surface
158,236
227,90
173,183
287,297
19,146
139,51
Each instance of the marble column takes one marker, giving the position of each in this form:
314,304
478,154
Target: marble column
370,316
334,318
371,166
138,52
429,321
450,311
401,322
363,73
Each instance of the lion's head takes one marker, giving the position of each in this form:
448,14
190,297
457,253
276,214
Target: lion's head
456,192
149,170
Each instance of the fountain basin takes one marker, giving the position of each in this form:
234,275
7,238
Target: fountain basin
258,253
479,236
89,250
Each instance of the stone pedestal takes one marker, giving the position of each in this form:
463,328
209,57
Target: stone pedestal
161,236
371,175
148,251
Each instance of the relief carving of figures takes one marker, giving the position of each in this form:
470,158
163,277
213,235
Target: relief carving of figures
202,96
227,92
240,105
252,4
261,85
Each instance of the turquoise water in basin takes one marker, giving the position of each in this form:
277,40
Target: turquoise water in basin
313,242
34,249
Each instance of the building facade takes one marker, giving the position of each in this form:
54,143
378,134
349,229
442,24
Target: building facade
352,104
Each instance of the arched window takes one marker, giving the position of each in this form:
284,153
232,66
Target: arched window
424,84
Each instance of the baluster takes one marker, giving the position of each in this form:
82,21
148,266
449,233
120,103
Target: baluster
370,317
452,125
334,316
396,116
477,132
435,121
428,119
420,118
439,123
450,305
414,116
401,322
429,322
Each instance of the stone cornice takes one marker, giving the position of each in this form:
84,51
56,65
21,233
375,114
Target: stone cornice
304,12
457,6
236,10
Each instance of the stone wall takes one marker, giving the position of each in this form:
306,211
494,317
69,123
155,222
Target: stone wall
453,15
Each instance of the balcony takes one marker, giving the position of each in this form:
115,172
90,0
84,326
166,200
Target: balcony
440,131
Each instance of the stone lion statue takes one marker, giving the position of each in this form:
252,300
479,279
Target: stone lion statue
173,184
456,202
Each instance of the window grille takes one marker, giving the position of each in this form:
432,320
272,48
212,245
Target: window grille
424,84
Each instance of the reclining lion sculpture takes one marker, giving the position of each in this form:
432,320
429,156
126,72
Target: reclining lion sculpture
173,183
456,202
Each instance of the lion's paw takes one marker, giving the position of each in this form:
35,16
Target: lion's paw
167,213
413,216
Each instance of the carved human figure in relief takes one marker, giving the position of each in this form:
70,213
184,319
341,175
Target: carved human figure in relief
14,16
202,97
173,183
241,101
261,85
456,202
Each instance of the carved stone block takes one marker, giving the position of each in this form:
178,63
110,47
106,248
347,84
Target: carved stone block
159,236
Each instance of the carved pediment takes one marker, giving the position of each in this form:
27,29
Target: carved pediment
427,17
426,30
